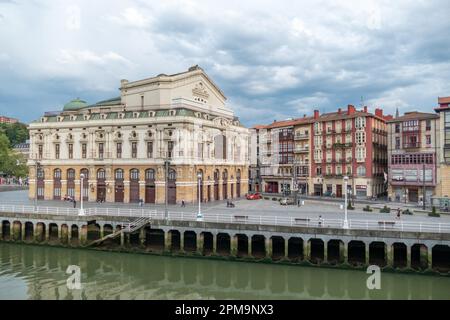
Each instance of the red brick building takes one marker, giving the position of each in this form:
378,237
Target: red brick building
4,119
349,142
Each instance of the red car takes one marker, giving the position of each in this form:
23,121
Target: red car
254,196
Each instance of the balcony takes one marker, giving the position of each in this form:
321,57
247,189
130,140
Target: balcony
411,145
301,136
301,149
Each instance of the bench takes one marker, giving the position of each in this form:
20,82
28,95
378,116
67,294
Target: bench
301,220
241,218
386,223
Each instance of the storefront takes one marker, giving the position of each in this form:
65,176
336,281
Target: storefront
361,191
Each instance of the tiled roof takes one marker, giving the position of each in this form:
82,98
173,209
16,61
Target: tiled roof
286,123
414,115
444,100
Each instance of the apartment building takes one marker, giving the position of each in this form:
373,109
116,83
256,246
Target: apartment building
413,153
349,143
444,146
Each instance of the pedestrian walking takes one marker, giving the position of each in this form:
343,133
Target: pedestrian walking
183,204
398,213
320,221
74,203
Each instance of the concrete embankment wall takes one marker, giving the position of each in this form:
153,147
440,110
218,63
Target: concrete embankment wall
389,249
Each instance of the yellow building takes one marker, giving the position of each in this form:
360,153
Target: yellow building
169,132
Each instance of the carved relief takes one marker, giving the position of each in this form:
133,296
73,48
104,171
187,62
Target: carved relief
200,90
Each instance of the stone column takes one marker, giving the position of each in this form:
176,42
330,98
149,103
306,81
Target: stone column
389,255
325,251
408,256
1,228
47,232
343,252
269,248
286,248
167,241
142,237
423,257
200,241
430,258
122,239
102,231
215,244
83,235
69,234
182,241
23,231
367,247
306,250
233,245
59,232
249,248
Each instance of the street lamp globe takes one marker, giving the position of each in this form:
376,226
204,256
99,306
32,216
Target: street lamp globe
81,211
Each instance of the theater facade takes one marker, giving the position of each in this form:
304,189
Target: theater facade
166,138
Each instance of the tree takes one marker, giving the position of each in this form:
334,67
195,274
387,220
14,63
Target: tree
11,163
16,132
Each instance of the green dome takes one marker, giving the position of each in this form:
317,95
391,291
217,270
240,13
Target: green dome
75,104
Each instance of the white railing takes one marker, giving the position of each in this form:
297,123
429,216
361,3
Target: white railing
355,224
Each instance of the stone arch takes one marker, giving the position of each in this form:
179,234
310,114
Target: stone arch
17,230
6,230
71,182
216,184
223,244
377,253
101,185
134,185
172,186
295,248
238,183
40,232
29,231
441,258
57,184
225,184
53,232
119,185
85,173
150,189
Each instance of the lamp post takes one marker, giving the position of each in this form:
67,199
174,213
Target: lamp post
199,214
166,166
345,226
81,212
38,165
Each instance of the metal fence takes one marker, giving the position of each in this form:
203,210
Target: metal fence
355,224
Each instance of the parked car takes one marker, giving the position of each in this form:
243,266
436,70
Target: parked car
253,196
286,201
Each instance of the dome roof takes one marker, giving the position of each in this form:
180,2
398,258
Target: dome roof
75,104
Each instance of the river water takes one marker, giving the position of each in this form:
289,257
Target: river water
38,272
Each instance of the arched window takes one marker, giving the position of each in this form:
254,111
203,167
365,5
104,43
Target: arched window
70,174
225,175
118,174
172,175
216,175
149,174
134,174
101,174
361,171
57,174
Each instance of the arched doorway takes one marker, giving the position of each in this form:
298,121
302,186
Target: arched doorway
172,187
57,184
216,184
134,185
101,185
238,183
225,184
85,173
71,183
119,193
40,183
200,185
150,194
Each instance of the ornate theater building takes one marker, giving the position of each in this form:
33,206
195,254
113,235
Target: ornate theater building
170,134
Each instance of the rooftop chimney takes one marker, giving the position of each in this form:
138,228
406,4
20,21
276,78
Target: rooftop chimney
304,116
379,112
316,114
350,109
365,109
339,111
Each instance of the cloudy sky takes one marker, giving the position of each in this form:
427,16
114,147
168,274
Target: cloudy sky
273,59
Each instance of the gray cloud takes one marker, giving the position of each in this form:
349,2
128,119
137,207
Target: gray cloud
273,60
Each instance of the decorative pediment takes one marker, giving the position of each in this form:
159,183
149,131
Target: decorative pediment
222,122
200,90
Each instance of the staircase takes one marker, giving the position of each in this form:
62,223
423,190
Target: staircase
126,228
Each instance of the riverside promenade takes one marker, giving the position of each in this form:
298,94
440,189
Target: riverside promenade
252,231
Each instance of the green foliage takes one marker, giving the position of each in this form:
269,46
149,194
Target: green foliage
385,209
350,207
433,213
367,208
407,211
11,163
16,132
